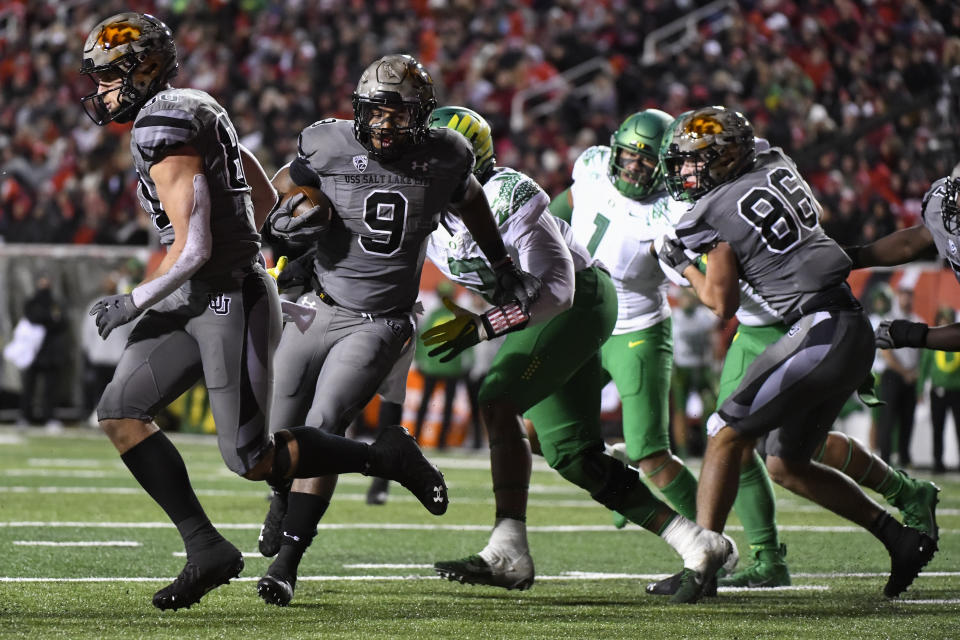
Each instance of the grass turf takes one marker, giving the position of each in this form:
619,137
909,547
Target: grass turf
368,572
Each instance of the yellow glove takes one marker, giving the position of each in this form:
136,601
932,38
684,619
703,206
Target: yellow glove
454,336
281,264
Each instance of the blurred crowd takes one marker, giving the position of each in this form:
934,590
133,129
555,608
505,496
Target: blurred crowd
863,93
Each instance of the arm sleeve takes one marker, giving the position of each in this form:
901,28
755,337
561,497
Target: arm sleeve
196,251
544,253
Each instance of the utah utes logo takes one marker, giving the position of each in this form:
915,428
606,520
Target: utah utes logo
360,162
220,304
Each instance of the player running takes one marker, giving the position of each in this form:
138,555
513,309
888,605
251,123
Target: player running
389,178
209,309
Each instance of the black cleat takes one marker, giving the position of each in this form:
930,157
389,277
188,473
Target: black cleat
395,456
517,573
275,589
910,554
271,532
377,493
671,584
195,580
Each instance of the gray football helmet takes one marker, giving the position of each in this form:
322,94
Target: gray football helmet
135,47
400,86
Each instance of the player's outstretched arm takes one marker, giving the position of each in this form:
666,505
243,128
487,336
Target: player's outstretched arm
900,247
944,338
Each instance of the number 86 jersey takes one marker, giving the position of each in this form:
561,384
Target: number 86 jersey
770,219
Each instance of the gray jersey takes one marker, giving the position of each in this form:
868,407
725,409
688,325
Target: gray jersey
371,257
770,219
948,245
187,117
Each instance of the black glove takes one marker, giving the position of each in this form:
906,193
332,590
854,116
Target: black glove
296,273
901,333
113,311
467,328
301,230
515,284
673,254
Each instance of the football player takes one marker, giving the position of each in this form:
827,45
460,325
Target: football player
754,217
209,309
388,177
549,371
616,207
939,233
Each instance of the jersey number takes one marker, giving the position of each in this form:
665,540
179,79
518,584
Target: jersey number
385,215
779,212
475,265
233,166
602,223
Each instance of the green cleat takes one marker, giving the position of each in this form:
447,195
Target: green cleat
768,570
917,502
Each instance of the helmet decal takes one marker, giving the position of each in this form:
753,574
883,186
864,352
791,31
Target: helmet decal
474,128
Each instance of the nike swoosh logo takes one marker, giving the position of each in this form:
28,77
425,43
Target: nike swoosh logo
633,343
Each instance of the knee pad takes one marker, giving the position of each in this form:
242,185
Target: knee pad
608,480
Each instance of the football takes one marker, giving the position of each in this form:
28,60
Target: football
314,198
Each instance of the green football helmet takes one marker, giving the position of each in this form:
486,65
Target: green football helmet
474,128
719,140
641,133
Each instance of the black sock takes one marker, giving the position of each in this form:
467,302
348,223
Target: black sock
390,413
304,511
158,467
886,529
324,454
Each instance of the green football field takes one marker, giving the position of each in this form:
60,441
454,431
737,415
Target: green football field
82,549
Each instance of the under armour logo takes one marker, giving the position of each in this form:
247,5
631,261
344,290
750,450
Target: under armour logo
952,245
220,304
307,301
419,166
360,162
438,494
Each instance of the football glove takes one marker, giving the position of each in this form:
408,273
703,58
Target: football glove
113,311
300,230
515,284
467,328
296,273
674,258
901,333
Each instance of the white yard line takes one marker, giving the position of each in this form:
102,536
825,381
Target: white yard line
78,543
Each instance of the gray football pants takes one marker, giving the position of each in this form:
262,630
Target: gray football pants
227,336
326,375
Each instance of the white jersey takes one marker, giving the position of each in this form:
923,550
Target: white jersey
619,232
533,240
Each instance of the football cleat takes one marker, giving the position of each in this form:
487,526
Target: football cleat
271,531
219,565
669,586
715,551
276,589
917,502
504,572
910,553
768,570
377,493
395,456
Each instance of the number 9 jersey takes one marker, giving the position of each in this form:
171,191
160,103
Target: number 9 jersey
769,217
370,258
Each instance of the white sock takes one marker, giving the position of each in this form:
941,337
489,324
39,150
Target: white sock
691,541
509,538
